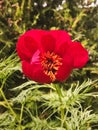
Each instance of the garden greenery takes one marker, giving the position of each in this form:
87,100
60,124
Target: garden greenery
28,105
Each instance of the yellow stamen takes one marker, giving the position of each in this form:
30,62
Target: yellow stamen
50,63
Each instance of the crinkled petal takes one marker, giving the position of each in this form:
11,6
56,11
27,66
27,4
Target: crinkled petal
79,54
66,68
35,72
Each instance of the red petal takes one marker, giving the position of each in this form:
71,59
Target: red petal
66,68
62,49
79,54
28,43
36,34
35,57
60,35
35,72
48,42
22,50
62,41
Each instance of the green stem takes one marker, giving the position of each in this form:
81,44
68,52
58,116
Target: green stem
10,108
60,95
58,90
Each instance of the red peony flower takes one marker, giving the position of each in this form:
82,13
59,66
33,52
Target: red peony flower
49,56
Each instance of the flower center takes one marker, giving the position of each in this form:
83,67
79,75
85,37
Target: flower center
50,63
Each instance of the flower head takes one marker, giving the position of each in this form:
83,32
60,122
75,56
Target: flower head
49,56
